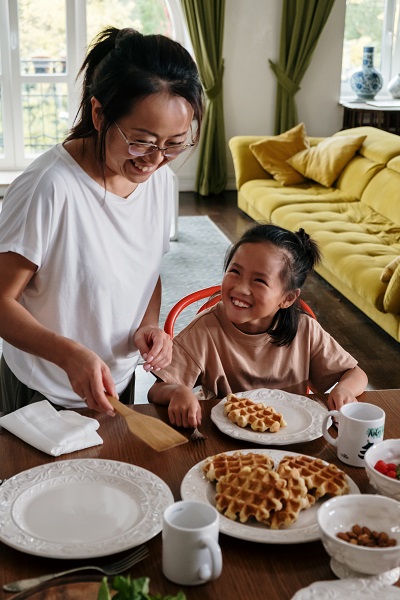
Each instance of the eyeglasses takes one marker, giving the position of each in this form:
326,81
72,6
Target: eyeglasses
144,148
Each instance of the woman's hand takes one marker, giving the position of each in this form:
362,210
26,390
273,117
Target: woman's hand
155,346
90,377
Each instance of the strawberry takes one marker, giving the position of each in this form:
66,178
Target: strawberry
381,466
391,473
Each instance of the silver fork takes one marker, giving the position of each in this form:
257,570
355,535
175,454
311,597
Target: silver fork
114,568
197,436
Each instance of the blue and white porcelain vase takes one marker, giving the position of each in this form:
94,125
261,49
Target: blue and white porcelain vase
367,82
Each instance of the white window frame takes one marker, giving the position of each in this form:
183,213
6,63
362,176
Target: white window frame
11,78
390,50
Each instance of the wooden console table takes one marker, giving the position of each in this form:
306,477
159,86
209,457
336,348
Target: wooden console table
358,114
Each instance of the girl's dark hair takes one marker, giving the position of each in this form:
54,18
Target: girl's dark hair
301,254
124,66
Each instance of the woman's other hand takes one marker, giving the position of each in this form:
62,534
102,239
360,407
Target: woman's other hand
155,346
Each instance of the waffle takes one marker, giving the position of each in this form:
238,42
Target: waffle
222,464
252,492
320,478
259,417
296,501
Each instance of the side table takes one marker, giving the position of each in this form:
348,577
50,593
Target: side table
358,114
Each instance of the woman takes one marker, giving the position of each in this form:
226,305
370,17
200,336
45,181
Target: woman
84,228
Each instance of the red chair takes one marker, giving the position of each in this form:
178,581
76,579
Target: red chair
213,294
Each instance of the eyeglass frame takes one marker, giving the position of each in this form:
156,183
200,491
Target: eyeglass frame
180,147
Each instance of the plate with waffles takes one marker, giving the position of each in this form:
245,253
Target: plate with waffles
283,418
264,495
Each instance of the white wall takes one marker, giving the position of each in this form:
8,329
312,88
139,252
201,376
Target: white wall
252,35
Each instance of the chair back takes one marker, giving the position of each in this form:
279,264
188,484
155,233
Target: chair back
213,295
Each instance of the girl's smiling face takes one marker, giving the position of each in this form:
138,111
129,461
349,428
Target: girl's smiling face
253,289
159,119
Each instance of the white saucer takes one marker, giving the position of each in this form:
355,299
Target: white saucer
344,572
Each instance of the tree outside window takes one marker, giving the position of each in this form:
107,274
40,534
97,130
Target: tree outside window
38,93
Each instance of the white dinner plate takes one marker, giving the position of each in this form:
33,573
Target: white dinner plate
81,508
195,486
303,417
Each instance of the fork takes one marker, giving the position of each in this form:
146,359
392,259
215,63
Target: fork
114,568
197,436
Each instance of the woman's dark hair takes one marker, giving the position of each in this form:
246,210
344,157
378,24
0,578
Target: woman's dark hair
124,66
300,253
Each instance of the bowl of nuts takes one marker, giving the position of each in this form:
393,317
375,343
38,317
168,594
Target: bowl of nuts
382,464
361,532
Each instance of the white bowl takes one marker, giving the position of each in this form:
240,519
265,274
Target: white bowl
378,513
389,451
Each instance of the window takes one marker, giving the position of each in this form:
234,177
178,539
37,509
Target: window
371,23
42,45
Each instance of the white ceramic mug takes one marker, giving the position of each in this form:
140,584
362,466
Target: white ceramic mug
360,425
190,553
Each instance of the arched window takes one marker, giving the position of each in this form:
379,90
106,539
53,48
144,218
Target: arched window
42,45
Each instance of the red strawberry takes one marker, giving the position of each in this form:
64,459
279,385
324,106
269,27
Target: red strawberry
381,466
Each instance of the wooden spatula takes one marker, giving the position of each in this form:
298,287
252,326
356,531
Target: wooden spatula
152,431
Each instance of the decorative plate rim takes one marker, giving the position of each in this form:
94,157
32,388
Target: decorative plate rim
153,498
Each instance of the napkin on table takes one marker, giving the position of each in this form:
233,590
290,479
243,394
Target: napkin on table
52,431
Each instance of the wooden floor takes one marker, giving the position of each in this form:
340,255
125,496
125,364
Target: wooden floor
377,352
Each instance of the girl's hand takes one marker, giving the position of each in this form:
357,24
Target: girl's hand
155,346
184,409
351,384
90,377
340,396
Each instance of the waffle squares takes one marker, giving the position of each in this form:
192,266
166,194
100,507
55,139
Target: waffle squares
246,413
248,487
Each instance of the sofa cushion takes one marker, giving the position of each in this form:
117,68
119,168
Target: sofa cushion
272,154
354,249
259,198
324,163
390,268
391,300
379,147
382,192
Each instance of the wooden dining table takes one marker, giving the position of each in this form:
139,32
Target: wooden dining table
250,569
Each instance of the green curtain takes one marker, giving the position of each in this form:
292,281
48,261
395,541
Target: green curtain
302,24
205,21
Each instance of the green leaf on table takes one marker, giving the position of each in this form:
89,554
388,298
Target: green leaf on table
133,589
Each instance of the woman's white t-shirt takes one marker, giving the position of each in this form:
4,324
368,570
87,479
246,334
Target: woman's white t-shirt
98,257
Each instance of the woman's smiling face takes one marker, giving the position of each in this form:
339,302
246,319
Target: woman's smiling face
159,119
252,287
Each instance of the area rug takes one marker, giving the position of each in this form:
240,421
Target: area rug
195,261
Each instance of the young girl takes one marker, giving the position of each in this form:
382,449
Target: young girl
257,337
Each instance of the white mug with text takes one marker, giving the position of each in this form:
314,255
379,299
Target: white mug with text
191,554
360,425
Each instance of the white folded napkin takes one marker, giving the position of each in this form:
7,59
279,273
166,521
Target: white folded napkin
52,431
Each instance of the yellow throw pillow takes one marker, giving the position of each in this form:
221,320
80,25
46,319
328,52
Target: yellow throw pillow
324,163
272,154
390,269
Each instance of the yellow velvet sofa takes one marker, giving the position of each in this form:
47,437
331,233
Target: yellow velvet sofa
356,221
